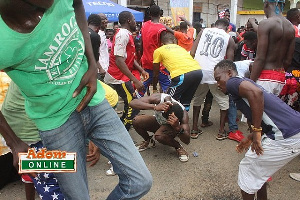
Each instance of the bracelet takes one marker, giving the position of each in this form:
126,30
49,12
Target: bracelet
154,107
256,129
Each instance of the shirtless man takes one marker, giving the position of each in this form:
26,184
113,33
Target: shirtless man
276,42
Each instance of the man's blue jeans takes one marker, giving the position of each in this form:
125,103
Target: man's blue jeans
232,113
103,126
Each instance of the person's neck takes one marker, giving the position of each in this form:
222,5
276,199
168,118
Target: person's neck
183,31
125,26
155,19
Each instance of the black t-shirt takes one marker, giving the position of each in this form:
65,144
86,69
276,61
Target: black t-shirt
296,57
95,39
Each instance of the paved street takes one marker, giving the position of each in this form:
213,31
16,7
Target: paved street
210,176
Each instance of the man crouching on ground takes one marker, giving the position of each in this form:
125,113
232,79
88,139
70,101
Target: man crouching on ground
170,120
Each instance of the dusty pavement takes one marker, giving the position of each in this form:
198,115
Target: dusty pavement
210,176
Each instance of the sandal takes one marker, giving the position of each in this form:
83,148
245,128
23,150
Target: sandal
204,125
195,134
221,135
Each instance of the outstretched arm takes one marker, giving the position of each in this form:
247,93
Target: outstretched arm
195,45
89,79
150,103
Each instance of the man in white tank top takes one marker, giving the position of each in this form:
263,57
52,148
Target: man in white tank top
211,46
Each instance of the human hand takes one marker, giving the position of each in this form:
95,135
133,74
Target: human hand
256,143
138,85
145,75
182,18
89,80
163,106
174,121
101,71
244,144
20,147
94,154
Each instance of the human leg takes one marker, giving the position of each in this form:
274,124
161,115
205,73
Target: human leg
125,91
255,170
234,133
206,110
164,80
166,135
142,124
223,101
183,87
198,100
115,143
70,137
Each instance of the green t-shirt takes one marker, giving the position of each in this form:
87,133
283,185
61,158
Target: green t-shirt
14,112
47,65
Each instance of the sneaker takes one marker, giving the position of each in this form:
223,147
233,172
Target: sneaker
221,135
237,136
182,154
295,176
146,145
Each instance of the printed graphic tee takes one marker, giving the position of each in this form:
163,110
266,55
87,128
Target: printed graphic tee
211,50
47,65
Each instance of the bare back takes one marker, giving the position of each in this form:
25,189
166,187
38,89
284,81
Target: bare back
275,42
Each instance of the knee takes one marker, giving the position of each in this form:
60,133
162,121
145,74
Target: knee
135,121
159,138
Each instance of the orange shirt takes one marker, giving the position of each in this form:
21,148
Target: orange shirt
185,40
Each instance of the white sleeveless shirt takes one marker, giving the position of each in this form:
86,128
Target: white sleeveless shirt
211,50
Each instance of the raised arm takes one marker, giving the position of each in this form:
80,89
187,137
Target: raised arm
195,45
89,79
188,23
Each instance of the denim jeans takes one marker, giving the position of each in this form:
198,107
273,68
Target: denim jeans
103,126
232,113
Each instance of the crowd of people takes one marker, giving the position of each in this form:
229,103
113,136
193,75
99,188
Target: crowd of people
67,79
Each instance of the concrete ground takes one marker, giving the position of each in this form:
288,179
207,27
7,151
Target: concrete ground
210,176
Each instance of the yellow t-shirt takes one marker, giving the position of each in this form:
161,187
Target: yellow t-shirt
110,94
176,59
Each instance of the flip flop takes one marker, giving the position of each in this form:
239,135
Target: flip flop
209,123
196,134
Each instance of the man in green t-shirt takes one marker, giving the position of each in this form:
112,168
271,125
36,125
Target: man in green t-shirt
46,50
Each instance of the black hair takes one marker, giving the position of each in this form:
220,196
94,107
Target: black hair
222,21
292,14
197,26
177,109
155,11
94,19
250,35
124,16
183,26
226,65
166,37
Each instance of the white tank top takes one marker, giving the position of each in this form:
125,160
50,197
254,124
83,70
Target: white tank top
210,51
